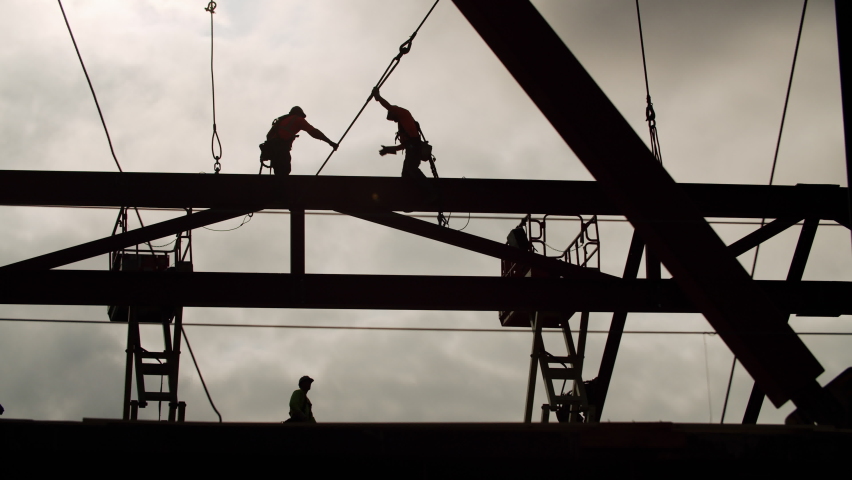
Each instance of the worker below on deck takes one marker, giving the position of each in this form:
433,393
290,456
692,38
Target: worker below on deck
408,135
279,140
300,405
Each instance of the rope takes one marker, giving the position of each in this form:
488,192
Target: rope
403,49
246,220
97,104
214,140
650,115
772,173
203,384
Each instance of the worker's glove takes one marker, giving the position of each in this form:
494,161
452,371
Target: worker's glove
386,150
334,145
375,93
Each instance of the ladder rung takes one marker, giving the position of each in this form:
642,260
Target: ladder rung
568,400
569,359
155,369
156,355
561,374
158,397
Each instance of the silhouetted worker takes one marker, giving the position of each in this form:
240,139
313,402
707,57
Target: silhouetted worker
279,140
409,140
300,405
2,410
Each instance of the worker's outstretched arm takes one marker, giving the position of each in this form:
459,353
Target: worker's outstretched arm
321,136
379,98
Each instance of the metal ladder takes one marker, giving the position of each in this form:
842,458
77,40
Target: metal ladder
571,406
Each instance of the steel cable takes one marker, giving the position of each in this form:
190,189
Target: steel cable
403,49
203,383
771,178
214,140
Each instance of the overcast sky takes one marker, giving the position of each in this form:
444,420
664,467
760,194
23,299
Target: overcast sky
718,73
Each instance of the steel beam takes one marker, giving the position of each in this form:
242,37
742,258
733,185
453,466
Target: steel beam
390,292
297,241
184,190
669,223
761,235
125,240
794,275
477,244
616,329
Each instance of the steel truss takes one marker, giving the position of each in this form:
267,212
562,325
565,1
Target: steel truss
669,221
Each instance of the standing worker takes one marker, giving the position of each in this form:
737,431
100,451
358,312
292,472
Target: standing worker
416,150
279,140
300,405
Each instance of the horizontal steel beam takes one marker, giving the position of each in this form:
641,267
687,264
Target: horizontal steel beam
184,190
388,292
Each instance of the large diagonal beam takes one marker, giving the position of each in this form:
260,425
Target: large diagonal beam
794,275
378,292
478,244
184,190
616,330
671,226
125,240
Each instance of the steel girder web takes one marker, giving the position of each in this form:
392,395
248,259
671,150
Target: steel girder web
227,191
127,239
669,223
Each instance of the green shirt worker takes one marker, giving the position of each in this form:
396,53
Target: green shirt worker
300,404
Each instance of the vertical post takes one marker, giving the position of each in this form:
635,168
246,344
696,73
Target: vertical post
616,329
297,241
797,270
128,371
174,359
528,408
842,13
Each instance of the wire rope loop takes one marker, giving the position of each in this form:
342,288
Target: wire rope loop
214,140
211,7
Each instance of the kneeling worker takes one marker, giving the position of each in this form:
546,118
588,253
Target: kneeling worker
300,405
279,140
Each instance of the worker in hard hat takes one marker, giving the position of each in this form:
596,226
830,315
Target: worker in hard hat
279,140
300,405
408,134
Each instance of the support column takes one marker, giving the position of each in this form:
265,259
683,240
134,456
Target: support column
797,270
128,372
616,329
536,351
297,241
843,12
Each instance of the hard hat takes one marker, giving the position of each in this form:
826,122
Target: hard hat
305,378
298,111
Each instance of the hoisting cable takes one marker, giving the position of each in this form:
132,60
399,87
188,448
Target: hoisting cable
214,140
203,384
771,177
650,115
98,105
403,49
